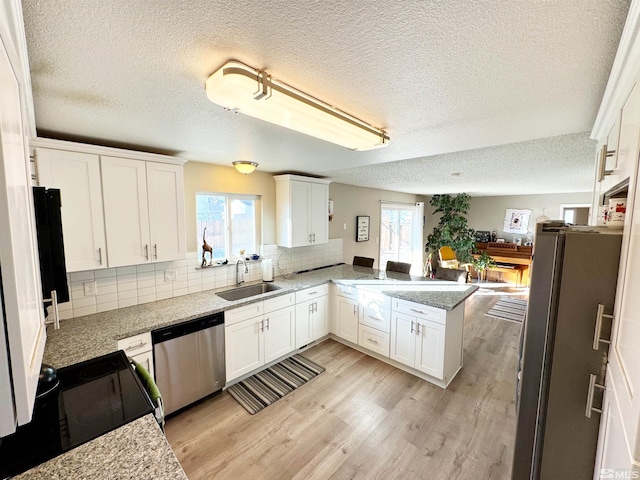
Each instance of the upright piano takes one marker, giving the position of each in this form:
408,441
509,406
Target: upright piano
512,260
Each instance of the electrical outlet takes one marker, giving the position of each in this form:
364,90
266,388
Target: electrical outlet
169,275
90,289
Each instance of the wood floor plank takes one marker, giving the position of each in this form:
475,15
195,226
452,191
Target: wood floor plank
364,419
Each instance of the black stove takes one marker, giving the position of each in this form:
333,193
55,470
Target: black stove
93,398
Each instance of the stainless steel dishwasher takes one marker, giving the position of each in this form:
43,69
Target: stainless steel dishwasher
189,360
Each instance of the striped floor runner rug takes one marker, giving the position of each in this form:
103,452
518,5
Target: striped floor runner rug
273,383
509,308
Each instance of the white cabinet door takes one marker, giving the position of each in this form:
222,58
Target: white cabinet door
302,216
403,339
304,328
77,175
430,348
300,194
347,316
320,323
319,213
165,185
20,287
279,333
124,184
244,347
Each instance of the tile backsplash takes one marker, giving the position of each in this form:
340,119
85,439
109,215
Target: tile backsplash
96,291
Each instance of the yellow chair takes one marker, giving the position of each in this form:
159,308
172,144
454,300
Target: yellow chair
448,259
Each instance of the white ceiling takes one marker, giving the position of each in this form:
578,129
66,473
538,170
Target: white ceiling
440,76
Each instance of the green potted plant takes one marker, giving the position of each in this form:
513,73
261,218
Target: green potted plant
452,229
481,263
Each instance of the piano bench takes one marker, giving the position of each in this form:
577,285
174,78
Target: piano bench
519,269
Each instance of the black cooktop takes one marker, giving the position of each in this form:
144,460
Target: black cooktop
94,397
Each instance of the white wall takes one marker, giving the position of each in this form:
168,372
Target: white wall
351,201
487,213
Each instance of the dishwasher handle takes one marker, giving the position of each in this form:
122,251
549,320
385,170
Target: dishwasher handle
185,328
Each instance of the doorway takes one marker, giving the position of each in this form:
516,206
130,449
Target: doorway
576,214
401,235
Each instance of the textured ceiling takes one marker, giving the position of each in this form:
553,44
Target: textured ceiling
440,76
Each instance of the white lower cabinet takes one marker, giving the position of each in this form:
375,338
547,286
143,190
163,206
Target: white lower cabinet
374,340
346,313
312,316
427,339
140,349
418,343
256,335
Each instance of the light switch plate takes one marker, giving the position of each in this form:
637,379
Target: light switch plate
169,275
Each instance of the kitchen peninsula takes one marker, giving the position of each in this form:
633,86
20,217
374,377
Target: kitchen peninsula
87,337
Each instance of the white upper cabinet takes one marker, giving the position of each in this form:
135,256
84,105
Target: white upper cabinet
126,213
144,211
165,189
302,205
22,331
77,175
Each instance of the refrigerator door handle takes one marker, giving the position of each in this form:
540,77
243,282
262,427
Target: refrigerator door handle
592,386
596,335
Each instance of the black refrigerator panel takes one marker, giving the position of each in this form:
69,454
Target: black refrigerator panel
53,272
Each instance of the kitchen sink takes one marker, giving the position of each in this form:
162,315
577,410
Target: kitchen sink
248,291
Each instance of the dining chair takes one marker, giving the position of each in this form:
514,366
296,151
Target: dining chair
363,261
399,267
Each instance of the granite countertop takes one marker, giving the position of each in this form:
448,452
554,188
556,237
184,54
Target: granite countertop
135,451
89,336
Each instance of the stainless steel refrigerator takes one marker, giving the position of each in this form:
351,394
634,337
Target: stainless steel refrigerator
574,270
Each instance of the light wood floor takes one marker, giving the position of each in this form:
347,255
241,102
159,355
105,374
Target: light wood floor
363,419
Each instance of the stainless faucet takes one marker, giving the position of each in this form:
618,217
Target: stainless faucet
239,274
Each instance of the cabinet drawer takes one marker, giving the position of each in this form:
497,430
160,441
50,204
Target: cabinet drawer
283,301
420,311
374,340
146,360
376,317
367,298
239,314
136,344
311,293
347,291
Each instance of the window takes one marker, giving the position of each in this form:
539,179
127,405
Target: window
401,235
231,221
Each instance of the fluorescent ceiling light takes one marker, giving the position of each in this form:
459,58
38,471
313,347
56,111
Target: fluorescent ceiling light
245,167
237,87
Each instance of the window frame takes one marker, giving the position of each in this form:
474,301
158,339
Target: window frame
229,197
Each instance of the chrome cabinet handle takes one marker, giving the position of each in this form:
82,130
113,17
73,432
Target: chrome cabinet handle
596,335
155,251
418,325
412,329
418,311
314,238
100,255
374,318
372,340
592,386
146,251
355,309
267,324
262,325
312,293
602,164
135,346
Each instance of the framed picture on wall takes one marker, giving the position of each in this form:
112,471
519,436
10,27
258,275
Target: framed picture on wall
362,228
